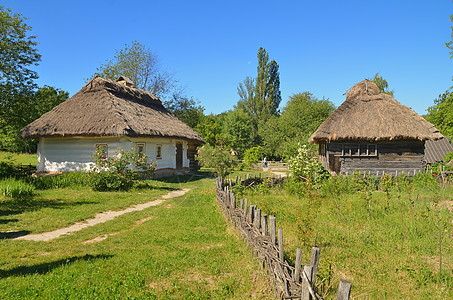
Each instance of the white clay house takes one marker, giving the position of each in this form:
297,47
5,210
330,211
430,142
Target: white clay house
113,115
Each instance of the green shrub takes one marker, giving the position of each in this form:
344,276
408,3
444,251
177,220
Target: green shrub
16,189
59,181
6,169
252,155
104,181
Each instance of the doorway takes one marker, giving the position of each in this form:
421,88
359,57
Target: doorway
178,156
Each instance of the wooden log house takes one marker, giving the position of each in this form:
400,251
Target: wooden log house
373,132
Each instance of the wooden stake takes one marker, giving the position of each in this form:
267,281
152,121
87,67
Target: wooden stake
306,284
314,261
264,224
281,255
298,264
344,290
272,229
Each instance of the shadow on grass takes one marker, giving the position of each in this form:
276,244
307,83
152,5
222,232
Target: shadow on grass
14,207
186,178
6,221
13,234
47,267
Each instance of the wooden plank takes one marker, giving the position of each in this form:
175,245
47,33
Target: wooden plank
281,254
344,290
314,261
298,265
306,285
272,229
264,230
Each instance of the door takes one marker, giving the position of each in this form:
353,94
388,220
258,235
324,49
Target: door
178,156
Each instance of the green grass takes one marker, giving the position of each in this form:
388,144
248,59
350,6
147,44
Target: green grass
181,249
19,158
385,253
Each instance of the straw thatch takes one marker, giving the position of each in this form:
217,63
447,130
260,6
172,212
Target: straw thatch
369,115
106,108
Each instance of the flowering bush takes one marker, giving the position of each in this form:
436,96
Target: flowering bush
118,172
305,166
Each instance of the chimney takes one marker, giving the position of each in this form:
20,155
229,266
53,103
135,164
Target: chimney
125,81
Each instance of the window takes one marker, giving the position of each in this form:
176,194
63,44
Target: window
105,149
357,150
322,149
141,148
159,151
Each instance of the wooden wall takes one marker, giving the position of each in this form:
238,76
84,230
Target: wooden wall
390,157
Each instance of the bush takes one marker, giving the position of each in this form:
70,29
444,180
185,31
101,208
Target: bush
252,155
305,166
16,189
6,169
117,173
104,181
218,158
59,181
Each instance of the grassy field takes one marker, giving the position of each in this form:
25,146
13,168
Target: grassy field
387,252
180,249
19,158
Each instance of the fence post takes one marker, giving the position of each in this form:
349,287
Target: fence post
245,208
306,285
241,203
264,224
236,180
280,245
233,200
257,218
344,290
298,265
272,229
251,213
314,261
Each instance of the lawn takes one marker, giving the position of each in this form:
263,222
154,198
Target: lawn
180,249
19,158
387,252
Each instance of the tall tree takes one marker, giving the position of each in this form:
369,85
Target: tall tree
441,113
301,116
382,84
187,110
18,54
137,62
261,97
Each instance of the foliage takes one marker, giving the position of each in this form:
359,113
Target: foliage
16,189
382,84
441,113
252,155
187,110
261,97
449,45
238,131
118,172
65,180
210,129
301,116
140,65
218,158
305,166
448,157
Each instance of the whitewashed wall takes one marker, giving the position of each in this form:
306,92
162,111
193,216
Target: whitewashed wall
74,154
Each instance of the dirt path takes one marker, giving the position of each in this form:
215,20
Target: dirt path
99,218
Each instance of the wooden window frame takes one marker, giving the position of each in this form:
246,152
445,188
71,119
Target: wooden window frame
141,145
347,150
158,151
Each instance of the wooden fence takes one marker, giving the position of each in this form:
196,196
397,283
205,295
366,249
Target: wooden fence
266,241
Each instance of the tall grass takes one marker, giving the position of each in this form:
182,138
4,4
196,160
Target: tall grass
16,189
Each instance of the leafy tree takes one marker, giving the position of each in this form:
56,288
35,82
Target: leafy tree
237,130
210,129
450,43
187,110
441,113
261,97
219,158
139,64
301,116
382,84
18,54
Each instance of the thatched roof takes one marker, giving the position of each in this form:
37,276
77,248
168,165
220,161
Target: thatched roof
106,108
369,115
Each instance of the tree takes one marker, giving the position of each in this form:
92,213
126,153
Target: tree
187,110
261,97
441,113
450,43
237,131
18,54
301,116
382,84
210,129
139,64
219,158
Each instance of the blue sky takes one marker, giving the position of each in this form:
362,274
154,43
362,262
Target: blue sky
324,47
